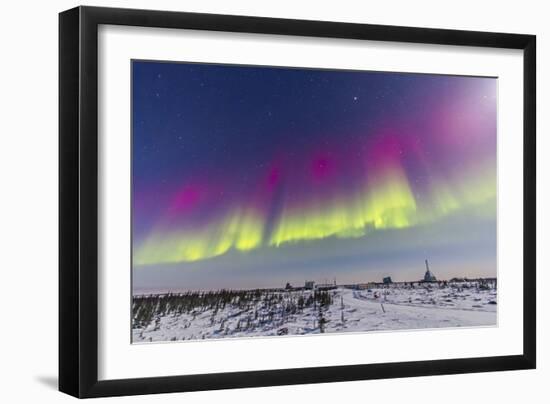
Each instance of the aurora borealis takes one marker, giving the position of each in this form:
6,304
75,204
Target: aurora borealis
244,174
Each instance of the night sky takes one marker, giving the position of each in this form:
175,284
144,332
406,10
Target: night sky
255,176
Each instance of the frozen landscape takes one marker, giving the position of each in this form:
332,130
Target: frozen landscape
279,178
326,309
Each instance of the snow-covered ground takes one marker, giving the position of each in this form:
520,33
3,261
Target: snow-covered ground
349,310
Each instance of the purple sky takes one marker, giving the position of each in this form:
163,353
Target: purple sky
252,176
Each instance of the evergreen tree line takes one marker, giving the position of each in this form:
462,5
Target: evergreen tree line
263,305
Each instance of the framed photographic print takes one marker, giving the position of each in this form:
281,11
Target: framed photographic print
251,201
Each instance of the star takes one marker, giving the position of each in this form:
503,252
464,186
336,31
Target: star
355,98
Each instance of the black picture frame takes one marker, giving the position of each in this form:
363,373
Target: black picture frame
78,201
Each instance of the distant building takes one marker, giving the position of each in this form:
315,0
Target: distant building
325,286
428,276
387,280
309,285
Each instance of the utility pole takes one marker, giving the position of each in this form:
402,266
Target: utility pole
342,308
